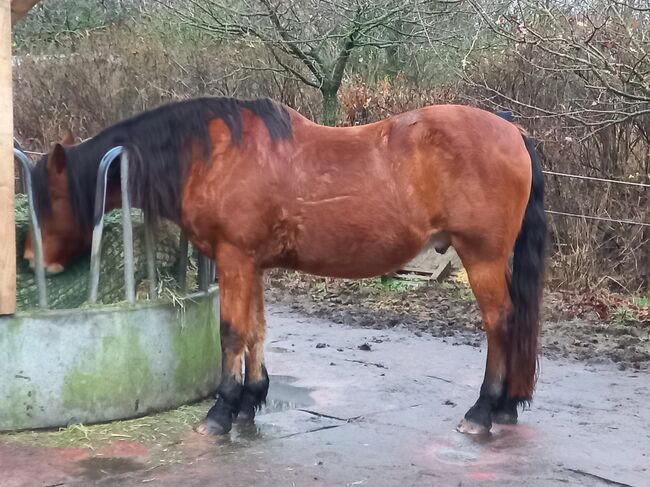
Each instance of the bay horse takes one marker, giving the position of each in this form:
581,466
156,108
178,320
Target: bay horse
255,185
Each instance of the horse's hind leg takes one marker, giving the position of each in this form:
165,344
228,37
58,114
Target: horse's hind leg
488,279
237,276
506,411
256,383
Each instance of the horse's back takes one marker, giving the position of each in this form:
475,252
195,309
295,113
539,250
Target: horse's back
377,193
361,201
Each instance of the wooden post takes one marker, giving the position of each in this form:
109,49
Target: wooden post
7,223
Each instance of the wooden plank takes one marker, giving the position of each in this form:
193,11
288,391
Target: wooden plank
437,266
7,223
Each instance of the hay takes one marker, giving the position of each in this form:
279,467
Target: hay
157,429
70,288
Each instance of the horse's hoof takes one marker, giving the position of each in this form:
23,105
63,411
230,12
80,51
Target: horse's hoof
246,413
469,427
503,417
218,420
506,412
209,427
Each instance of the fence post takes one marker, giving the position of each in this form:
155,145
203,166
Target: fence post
7,171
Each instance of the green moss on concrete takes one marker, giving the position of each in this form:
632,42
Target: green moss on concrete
10,336
123,361
10,327
197,348
117,372
14,325
19,403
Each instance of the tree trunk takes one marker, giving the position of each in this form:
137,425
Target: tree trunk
392,62
330,106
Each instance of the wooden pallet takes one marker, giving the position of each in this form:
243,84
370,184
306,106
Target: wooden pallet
431,265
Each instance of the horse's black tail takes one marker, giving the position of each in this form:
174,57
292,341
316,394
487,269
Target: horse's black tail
526,288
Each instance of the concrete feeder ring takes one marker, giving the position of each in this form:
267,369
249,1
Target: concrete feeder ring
105,363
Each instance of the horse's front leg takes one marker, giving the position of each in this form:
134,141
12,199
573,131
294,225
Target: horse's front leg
237,278
256,383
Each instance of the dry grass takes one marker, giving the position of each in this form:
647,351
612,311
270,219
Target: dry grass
156,429
113,75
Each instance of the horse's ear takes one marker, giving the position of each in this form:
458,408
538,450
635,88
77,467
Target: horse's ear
56,160
68,138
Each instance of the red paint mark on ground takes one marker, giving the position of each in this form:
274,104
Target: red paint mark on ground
482,476
125,449
70,454
25,466
515,433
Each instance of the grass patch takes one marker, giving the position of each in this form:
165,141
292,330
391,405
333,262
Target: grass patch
641,301
624,315
395,284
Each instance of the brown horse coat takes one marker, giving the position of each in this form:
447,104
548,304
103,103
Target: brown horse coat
256,185
361,201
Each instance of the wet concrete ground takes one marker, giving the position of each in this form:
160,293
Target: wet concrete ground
360,407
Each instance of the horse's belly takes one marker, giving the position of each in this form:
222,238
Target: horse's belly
356,252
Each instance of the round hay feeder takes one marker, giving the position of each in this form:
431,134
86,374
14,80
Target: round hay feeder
103,362
106,363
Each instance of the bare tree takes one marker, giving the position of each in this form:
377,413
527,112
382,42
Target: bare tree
312,40
599,47
579,71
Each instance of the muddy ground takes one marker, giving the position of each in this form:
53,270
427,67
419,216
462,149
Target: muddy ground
573,324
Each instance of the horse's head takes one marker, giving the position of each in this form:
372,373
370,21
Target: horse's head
63,239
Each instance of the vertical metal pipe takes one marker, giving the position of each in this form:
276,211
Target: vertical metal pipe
182,263
127,230
100,205
95,260
39,269
23,181
204,272
150,252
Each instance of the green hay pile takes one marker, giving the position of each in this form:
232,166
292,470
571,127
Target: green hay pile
70,288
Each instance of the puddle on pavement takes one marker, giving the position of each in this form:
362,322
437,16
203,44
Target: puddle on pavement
97,468
283,395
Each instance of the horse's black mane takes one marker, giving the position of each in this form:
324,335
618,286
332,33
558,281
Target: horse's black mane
158,143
